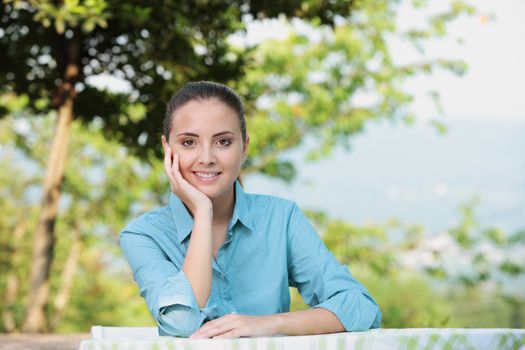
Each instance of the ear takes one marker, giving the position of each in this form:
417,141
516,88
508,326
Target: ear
164,143
245,146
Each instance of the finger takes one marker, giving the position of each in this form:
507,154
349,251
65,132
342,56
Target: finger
211,331
168,166
175,163
208,331
167,158
234,333
225,319
175,169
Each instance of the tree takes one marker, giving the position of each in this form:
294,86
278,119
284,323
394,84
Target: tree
102,184
491,260
327,88
50,49
14,226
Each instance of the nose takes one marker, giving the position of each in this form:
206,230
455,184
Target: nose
207,156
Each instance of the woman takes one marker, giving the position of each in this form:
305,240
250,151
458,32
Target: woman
218,262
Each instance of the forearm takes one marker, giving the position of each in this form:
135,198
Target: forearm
197,264
311,321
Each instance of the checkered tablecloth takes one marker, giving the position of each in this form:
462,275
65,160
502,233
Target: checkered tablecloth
377,339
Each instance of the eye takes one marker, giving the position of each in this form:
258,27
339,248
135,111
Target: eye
188,143
224,142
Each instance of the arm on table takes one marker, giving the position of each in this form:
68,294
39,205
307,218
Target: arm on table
167,290
313,321
339,302
323,282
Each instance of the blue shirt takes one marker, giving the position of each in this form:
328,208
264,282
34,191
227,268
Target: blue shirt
269,246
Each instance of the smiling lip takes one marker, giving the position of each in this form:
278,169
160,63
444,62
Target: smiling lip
206,176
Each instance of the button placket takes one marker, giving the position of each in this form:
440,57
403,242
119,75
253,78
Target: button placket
225,289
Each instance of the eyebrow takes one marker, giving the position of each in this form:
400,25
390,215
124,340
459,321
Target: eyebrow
195,135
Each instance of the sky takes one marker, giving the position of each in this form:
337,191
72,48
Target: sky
494,48
414,173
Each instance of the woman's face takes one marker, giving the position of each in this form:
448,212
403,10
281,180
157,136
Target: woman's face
207,137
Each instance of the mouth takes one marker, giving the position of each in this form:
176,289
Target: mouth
206,176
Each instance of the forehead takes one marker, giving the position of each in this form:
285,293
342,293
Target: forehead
205,116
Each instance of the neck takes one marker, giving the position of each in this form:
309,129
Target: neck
223,206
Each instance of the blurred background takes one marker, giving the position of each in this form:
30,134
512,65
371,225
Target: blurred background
398,126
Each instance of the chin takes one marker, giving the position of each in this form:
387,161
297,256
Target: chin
214,191
213,194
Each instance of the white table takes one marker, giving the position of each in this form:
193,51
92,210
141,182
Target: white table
377,339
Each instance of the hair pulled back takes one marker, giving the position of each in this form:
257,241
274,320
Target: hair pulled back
203,91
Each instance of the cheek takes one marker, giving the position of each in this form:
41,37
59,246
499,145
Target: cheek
235,159
184,162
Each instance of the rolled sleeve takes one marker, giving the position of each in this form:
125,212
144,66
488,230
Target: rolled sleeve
355,310
179,313
167,291
323,282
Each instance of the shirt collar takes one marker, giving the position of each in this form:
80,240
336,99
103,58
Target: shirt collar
241,211
184,220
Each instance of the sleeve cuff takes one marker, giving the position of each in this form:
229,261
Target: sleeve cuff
354,310
178,311
177,290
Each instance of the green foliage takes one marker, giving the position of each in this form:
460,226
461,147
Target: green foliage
69,13
103,297
18,217
475,307
327,89
312,87
473,238
155,46
418,283
296,89
408,300
102,184
462,233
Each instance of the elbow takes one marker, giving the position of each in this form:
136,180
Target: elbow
369,318
179,321
377,319
357,311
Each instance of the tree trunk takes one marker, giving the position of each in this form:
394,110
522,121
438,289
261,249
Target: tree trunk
68,277
44,238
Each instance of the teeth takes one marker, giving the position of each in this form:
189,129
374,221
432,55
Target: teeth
206,175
